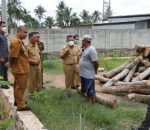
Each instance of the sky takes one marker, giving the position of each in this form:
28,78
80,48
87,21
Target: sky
119,7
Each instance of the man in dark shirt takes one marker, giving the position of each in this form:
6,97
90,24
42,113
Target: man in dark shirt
3,52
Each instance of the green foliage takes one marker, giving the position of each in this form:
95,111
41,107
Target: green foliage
63,110
7,122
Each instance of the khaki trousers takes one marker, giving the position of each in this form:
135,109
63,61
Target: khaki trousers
35,79
77,79
20,83
70,71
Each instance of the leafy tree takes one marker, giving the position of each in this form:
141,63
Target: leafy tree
86,18
39,12
49,22
96,16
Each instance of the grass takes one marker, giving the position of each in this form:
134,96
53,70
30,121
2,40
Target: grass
61,110
53,66
113,62
56,66
5,123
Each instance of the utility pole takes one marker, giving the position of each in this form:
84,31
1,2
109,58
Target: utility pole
4,12
106,5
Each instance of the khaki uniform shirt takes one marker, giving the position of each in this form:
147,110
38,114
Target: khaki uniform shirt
33,52
72,57
18,51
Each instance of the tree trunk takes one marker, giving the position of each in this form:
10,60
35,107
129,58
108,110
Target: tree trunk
101,79
146,62
130,75
135,83
142,75
116,78
140,91
115,71
117,89
138,97
107,99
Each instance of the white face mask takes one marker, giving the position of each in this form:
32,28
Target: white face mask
70,43
3,29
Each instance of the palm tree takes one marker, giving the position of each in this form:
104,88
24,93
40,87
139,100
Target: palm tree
49,22
60,13
39,12
96,16
75,20
67,16
86,17
14,11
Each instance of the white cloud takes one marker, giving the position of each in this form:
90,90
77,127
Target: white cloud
119,7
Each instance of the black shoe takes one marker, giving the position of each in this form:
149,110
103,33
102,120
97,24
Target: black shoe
134,128
4,86
24,109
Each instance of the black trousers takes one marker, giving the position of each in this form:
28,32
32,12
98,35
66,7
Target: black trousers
146,123
3,69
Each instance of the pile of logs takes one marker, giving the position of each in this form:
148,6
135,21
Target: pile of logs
131,79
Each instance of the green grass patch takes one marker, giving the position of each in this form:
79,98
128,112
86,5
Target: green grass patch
62,110
53,66
56,66
112,62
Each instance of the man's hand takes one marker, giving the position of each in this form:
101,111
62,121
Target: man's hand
7,64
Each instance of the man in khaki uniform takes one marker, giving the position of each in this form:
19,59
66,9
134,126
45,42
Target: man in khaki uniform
35,64
41,48
18,59
77,79
70,56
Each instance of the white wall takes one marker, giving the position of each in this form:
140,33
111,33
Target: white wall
54,39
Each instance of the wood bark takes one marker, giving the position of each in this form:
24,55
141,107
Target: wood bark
146,62
142,75
107,99
117,89
140,91
130,74
135,83
141,69
116,78
115,71
137,97
101,79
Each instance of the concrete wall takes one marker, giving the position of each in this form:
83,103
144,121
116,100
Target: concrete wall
54,39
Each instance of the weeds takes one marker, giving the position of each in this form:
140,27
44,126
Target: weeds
61,110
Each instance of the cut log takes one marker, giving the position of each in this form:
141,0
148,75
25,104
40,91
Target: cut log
115,71
117,89
133,63
147,52
135,83
138,97
141,49
116,78
142,75
107,99
130,74
141,69
146,62
101,79
140,91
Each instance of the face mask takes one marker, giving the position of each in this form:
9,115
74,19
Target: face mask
70,43
3,29
76,42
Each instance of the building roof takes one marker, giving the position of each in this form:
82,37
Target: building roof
129,16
